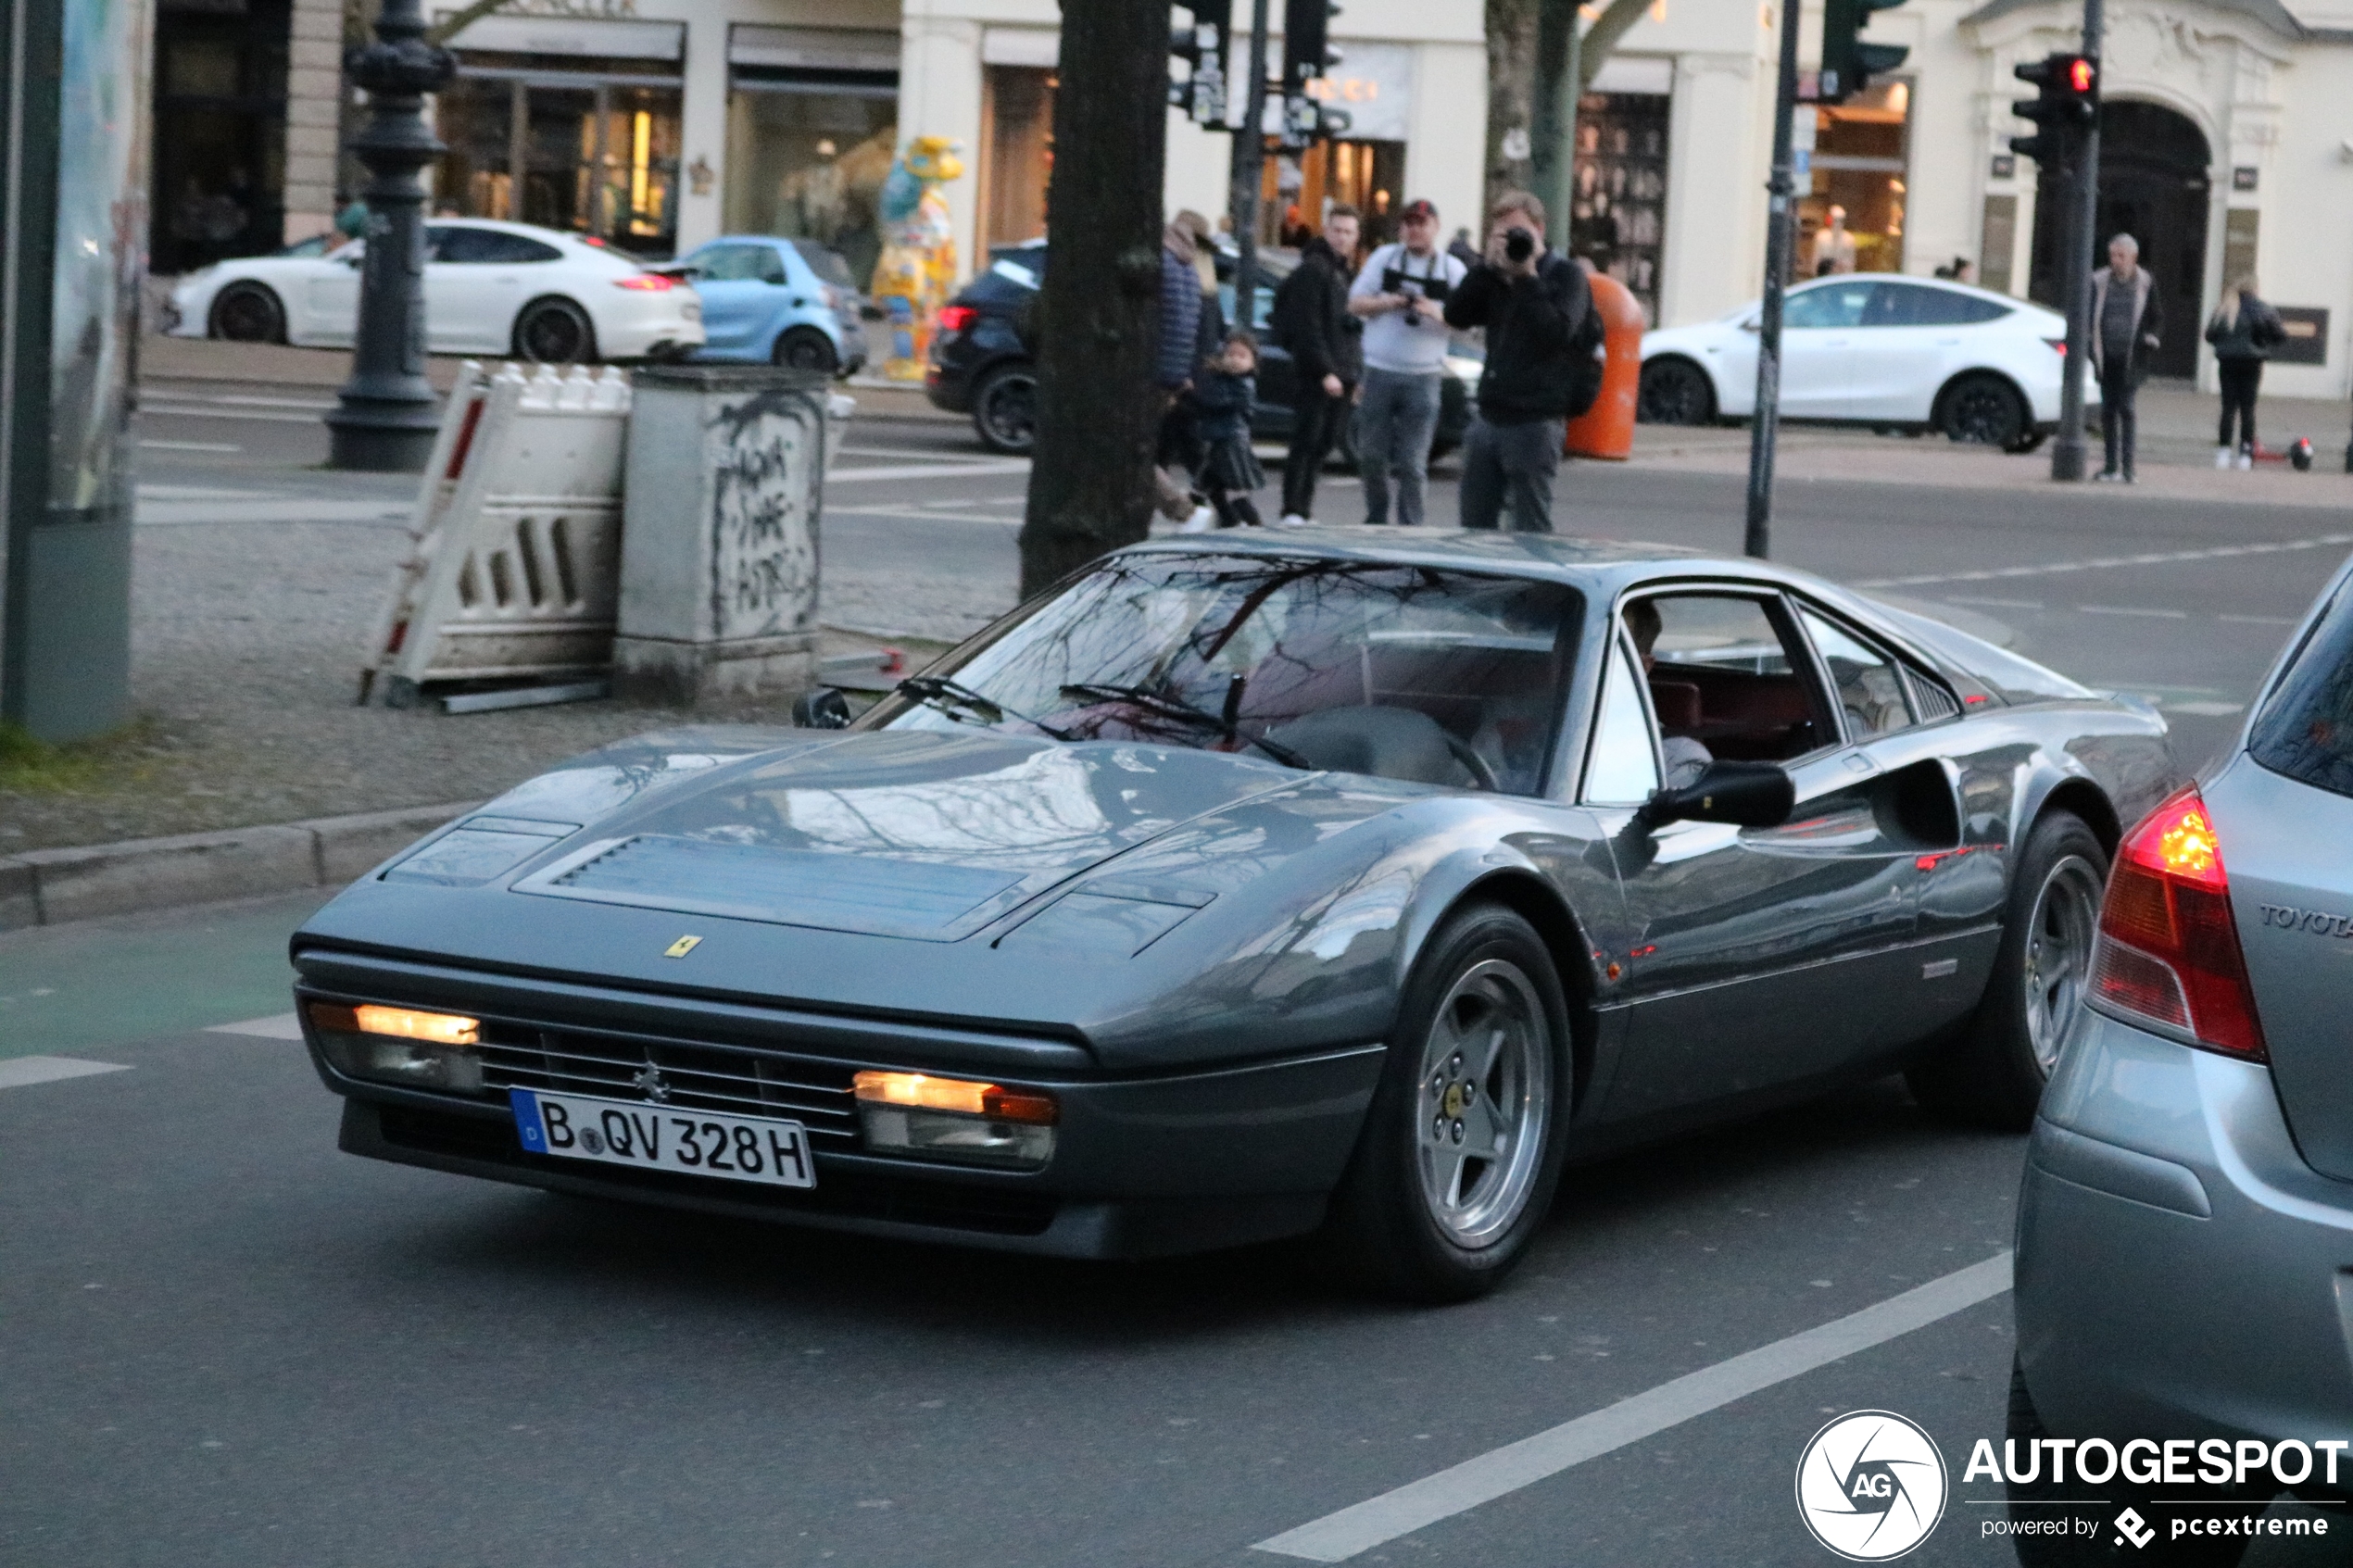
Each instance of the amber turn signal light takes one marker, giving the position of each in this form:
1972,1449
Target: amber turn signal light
920,1091
407,1024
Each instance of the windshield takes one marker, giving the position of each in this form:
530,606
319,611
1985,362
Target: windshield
1442,676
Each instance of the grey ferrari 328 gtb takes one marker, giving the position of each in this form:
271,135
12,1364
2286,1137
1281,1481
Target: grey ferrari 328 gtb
1343,883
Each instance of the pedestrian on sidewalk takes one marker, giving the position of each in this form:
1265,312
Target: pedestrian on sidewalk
1222,395
1178,452
2244,332
1400,295
1178,351
1538,310
2128,322
1311,320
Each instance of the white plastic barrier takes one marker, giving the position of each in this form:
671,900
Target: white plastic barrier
514,572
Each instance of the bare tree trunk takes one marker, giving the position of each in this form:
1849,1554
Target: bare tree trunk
1511,98
1090,487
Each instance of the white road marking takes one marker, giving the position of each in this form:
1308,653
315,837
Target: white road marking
15,1073
189,446
925,514
928,471
196,492
279,1027
2158,558
246,401
262,415
1337,1536
1995,604
2259,619
2205,709
2129,610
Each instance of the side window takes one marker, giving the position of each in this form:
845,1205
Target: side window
1868,688
1827,304
1723,681
1622,769
437,241
462,245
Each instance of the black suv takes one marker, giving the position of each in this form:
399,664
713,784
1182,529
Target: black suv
978,365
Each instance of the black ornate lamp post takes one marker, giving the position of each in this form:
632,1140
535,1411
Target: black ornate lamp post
388,413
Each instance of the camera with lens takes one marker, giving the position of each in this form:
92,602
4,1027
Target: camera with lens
1518,246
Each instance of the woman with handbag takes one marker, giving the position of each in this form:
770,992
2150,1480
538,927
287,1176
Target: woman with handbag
2244,330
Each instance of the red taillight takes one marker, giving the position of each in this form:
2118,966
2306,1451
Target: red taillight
2169,947
956,318
651,282
2058,346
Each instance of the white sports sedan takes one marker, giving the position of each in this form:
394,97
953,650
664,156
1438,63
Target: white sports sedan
1886,351
490,288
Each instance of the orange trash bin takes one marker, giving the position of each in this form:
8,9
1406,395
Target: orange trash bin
1606,430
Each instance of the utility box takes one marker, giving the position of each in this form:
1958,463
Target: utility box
724,489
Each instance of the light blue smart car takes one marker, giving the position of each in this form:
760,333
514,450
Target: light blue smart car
779,301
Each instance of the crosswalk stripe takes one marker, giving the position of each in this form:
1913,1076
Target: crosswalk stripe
19,1072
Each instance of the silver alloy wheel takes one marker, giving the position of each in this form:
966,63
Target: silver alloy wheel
2058,953
1483,1103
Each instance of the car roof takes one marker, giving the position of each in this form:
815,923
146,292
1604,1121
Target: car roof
1601,564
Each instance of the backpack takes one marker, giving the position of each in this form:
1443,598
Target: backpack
1585,353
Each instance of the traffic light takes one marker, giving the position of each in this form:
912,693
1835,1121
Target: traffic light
2066,102
1200,41
1307,51
1848,63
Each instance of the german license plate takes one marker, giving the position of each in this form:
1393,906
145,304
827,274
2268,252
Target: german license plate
661,1137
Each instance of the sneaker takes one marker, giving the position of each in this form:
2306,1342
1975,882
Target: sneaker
1202,522
2107,476
2247,459
1291,520
2222,455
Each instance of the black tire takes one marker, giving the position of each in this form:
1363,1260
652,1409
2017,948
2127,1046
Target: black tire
1675,392
247,313
1994,1074
2091,1540
2031,440
806,348
1388,1226
555,331
1005,409
1983,409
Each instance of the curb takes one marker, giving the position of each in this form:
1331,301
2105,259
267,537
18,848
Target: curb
53,886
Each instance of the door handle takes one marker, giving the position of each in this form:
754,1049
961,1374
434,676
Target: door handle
1947,342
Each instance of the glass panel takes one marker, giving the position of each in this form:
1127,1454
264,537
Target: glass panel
1868,688
1623,769
1916,304
811,165
2306,730
740,264
1021,153
475,118
1196,639
1852,218
1721,682
1617,219
1830,304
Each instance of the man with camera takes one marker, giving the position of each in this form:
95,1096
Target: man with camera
1537,308
1401,295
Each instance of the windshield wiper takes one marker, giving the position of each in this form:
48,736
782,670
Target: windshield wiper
951,696
1183,712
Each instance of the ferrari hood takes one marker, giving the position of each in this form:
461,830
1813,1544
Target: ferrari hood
915,834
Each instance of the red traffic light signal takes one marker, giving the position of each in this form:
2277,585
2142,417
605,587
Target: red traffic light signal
2082,76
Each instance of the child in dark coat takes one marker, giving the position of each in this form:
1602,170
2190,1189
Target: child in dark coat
1222,397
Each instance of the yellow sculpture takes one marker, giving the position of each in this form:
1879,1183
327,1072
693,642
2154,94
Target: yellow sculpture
918,263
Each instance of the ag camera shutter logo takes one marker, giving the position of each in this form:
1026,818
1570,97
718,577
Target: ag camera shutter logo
1870,1486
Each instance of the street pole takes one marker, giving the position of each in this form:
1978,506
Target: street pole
2078,235
387,412
1766,425
1248,172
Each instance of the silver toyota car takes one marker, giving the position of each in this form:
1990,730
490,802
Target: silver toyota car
2185,1230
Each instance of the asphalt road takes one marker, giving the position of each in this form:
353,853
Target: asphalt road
223,1342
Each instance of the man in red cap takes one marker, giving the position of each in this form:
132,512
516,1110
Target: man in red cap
1401,295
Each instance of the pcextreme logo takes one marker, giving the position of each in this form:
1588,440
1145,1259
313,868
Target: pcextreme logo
1870,1486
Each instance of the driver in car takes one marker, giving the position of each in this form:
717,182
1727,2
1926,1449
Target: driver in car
1684,757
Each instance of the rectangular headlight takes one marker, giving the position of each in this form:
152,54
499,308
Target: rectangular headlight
419,1050
956,1118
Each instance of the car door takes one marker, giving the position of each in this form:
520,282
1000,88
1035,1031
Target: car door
1754,956
475,282
1819,327
326,308
1910,335
743,287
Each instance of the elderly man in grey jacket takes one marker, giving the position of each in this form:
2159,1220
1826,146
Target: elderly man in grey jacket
2127,322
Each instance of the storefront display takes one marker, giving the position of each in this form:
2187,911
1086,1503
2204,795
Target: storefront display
812,123
1017,139
1861,153
1618,221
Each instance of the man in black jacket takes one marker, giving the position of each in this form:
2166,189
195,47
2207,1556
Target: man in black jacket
1532,303
1312,321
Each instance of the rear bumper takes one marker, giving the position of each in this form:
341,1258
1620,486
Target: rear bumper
2182,1271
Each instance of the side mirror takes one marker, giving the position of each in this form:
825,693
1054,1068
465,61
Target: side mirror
869,311
1749,794
824,709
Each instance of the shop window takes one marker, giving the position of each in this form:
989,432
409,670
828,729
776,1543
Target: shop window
810,164
1853,218
1618,217
589,150
1017,128
220,131
1300,187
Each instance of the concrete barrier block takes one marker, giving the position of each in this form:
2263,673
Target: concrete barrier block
20,900
351,847
147,874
